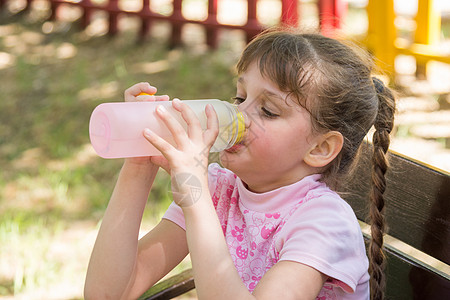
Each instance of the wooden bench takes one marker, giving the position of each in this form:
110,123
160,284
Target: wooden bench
418,242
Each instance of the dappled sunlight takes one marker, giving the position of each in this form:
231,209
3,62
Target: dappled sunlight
6,60
30,159
31,272
152,67
232,12
98,27
66,50
85,156
31,38
100,91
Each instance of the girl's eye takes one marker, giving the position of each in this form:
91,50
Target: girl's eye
264,111
267,113
237,100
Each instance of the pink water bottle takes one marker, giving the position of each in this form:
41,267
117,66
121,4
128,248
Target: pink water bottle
116,129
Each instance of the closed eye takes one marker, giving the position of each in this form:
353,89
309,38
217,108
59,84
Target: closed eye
265,112
268,113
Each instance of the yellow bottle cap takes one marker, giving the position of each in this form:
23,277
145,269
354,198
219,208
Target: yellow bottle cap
240,127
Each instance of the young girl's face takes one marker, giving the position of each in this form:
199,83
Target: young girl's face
278,137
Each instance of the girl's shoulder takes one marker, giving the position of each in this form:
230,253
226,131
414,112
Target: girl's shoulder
325,213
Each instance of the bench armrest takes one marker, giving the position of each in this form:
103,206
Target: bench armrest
171,287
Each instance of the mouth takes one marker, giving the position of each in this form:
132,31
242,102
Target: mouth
236,148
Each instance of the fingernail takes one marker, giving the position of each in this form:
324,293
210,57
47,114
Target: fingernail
147,132
161,108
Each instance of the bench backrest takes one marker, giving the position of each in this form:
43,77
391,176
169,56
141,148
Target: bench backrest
418,217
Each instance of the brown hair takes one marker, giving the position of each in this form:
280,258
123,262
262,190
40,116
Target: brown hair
335,84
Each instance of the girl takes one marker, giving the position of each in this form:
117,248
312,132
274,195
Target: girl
269,222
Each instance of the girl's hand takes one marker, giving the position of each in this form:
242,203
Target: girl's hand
143,91
188,160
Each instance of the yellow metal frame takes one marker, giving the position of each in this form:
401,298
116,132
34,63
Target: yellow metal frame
383,42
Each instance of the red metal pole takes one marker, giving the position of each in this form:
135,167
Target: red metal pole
331,14
211,31
289,12
113,9
28,6
145,18
87,13
252,27
54,8
176,19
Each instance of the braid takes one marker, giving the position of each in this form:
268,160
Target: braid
383,126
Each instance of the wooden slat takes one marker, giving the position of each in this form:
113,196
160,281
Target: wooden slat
171,287
407,278
417,203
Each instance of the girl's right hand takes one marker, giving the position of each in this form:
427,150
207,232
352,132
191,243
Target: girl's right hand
143,91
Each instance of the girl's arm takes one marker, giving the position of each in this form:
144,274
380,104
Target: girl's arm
120,267
214,272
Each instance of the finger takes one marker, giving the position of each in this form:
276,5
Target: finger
159,143
194,128
138,88
212,125
147,97
162,98
176,129
142,97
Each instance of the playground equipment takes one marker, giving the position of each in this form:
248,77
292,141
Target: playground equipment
384,42
331,13
289,16
382,38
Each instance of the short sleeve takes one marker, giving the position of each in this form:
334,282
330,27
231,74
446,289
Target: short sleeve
175,214
324,234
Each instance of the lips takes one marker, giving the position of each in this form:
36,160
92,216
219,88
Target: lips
235,148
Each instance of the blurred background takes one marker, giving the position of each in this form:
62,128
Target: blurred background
55,68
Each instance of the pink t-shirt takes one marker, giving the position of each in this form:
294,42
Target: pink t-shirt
305,222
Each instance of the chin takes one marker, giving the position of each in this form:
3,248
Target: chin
228,159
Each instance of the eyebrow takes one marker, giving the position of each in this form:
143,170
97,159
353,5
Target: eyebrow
271,96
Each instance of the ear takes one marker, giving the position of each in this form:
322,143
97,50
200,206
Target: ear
325,148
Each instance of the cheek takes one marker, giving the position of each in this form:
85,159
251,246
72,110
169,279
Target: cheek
267,143
288,142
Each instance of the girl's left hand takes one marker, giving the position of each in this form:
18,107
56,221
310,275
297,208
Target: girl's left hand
188,160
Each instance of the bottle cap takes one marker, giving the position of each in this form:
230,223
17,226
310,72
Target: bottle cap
240,127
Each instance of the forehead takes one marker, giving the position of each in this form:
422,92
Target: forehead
254,78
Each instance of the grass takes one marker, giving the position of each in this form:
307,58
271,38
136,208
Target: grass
53,188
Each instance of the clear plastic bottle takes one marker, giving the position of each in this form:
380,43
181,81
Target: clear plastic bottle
116,129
